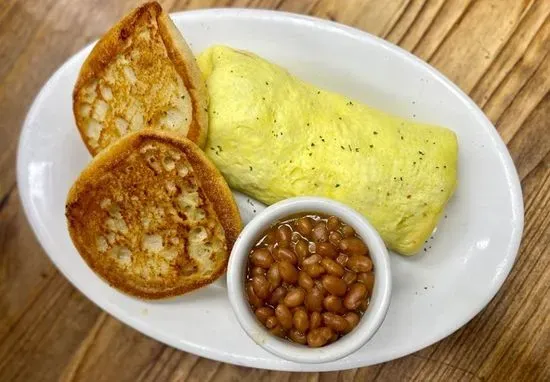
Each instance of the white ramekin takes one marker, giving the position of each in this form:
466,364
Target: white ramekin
371,320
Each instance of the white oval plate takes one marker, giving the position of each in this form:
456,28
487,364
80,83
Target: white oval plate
434,293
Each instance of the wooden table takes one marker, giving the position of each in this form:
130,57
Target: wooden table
497,51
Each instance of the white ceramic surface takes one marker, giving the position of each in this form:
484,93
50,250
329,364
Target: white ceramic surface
379,302
434,293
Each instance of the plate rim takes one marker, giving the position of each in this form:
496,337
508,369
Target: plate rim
510,172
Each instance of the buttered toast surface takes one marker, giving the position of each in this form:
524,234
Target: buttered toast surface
152,216
140,74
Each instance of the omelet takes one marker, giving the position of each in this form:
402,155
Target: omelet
274,136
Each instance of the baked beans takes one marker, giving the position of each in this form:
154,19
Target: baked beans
309,279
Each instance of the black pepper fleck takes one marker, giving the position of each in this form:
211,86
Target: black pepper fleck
337,185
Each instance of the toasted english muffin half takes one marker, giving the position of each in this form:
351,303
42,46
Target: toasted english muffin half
140,74
152,216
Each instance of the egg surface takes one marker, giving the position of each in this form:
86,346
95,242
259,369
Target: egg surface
274,136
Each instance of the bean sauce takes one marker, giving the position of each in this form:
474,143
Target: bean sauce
309,279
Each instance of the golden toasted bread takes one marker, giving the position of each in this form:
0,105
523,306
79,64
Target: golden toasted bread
153,216
140,74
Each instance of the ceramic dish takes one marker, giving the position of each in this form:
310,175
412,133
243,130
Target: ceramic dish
371,320
434,293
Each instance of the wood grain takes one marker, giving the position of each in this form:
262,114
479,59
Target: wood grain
496,51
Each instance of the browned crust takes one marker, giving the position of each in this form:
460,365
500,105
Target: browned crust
212,183
180,54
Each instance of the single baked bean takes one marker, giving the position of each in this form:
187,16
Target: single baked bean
333,338
271,322
314,300
319,233
295,297
366,278
349,277
301,320
326,332
326,249
270,237
342,259
319,285
334,238
278,331
353,246
314,270
333,304
332,267
335,322
333,223
359,263
277,295
334,285
297,336
274,276
300,249
304,226
252,297
284,233
315,320
313,259
353,319
286,254
288,272
283,316
348,231
261,286
364,305
257,271
356,294
305,280
261,257
316,338
264,313
284,244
